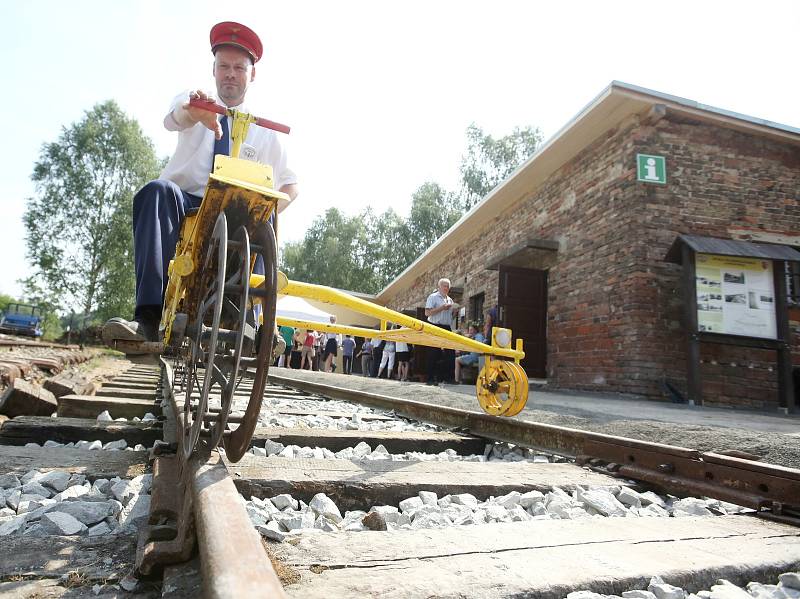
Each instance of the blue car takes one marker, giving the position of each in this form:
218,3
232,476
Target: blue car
22,319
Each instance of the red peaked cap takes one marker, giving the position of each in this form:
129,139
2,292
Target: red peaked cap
229,33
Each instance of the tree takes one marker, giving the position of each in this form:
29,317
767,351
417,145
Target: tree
489,161
433,211
79,233
333,252
390,249
5,300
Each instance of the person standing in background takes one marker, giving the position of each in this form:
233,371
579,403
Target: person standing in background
332,344
348,347
439,309
307,351
403,356
366,358
287,333
387,358
377,353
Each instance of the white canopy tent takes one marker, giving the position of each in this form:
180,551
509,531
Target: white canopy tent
296,307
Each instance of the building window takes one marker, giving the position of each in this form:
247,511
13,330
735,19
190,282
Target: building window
476,308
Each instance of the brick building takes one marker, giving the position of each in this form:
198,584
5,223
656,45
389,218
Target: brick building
573,247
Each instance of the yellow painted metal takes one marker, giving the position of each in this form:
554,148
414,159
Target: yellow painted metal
251,175
283,281
502,387
242,189
240,125
411,329
183,265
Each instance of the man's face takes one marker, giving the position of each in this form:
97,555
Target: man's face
233,72
444,288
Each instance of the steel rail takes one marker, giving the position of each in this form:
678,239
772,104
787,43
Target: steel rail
234,562
677,470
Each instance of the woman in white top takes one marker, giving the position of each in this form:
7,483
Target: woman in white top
387,358
403,357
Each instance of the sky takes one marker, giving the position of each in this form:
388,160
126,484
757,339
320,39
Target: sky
378,94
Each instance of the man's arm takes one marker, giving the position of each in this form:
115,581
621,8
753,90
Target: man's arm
183,116
437,309
290,189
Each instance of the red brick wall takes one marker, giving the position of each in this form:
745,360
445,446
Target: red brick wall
615,314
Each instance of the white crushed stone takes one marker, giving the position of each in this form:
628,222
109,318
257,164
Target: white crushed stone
787,587
495,452
60,503
427,510
117,445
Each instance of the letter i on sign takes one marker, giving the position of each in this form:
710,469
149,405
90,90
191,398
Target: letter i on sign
650,167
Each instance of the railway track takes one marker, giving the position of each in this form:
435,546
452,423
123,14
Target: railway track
351,494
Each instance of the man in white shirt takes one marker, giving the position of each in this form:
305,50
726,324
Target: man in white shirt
160,206
439,308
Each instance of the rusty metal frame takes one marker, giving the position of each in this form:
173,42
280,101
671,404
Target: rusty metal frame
676,470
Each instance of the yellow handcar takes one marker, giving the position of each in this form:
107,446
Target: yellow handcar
209,320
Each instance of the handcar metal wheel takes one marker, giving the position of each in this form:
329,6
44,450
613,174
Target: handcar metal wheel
521,389
502,387
203,334
264,243
237,332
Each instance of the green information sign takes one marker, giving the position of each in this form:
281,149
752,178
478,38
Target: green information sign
651,169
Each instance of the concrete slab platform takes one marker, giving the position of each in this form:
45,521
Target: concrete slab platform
89,406
127,385
38,429
93,463
393,441
359,485
127,392
543,559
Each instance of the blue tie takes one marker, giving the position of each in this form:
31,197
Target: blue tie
223,145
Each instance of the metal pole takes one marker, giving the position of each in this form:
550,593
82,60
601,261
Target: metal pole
693,381
784,367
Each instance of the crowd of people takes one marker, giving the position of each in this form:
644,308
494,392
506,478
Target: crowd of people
308,349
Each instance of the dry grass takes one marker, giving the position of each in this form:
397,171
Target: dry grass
285,574
76,578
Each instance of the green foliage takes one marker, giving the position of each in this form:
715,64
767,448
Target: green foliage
433,211
333,252
490,161
366,252
79,231
5,300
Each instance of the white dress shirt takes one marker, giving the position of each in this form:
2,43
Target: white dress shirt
191,163
435,300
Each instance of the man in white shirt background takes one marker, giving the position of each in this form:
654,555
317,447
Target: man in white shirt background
160,206
439,308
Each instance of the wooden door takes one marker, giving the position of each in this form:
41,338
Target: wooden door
522,299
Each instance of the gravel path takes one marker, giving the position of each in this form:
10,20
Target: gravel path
773,447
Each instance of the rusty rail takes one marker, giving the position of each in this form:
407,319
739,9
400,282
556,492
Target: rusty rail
676,470
203,503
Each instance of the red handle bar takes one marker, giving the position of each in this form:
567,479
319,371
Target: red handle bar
214,107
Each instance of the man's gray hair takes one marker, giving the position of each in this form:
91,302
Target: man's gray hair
443,280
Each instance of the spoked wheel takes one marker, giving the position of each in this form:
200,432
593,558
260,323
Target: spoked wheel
502,387
263,243
237,333
202,335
